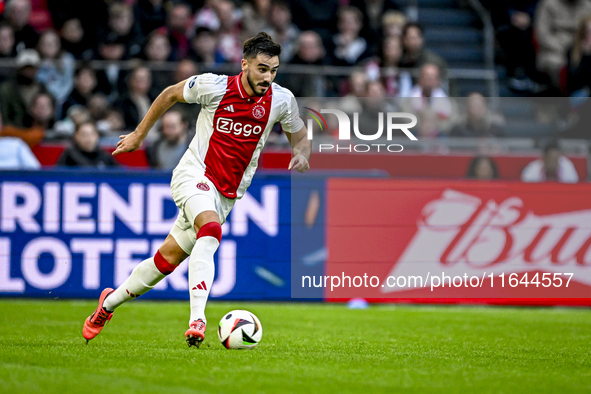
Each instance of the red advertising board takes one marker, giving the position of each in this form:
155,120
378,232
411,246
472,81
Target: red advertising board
458,240
422,165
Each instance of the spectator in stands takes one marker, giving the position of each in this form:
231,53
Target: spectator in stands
39,118
349,46
91,14
578,81
357,85
385,68
428,124
177,22
42,112
186,69
174,140
84,86
7,47
579,116
122,24
40,18
515,36
552,167
85,150
203,48
17,15
114,120
150,15
356,89
111,78
415,54
99,111
255,17
75,40
206,17
310,52
229,34
56,71
98,107
17,93
375,96
483,168
429,94
373,12
137,100
158,49
316,15
282,29
555,24
75,116
371,107
393,23
478,120
15,154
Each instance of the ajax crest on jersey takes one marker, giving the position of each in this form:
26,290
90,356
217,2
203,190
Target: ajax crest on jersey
203,186
240,330
258,111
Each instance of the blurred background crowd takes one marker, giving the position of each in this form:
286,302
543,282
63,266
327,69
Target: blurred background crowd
83,71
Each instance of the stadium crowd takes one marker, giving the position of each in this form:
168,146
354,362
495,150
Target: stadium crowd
103,62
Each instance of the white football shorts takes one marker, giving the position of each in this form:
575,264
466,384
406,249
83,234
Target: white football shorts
193,193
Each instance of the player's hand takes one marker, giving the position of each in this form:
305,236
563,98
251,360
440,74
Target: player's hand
128,143
299,162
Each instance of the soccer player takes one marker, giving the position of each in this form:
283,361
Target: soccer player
237,114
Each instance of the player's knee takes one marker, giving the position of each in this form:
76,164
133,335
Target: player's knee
211,229
204,218
163,265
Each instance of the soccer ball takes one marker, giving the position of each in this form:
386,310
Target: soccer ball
240,330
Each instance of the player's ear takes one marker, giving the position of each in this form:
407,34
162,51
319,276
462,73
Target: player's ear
244,64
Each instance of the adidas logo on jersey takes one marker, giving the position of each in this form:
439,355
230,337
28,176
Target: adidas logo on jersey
229,108
200,286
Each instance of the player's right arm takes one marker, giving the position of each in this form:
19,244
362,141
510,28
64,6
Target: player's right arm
165,100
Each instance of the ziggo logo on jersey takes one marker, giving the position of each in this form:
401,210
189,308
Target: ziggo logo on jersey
227,125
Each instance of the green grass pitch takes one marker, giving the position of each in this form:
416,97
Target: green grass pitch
306,348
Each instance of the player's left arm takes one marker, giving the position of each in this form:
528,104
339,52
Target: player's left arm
301,147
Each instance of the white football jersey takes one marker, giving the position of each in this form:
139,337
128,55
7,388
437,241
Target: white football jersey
232,127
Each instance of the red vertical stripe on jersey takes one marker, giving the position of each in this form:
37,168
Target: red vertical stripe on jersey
238,124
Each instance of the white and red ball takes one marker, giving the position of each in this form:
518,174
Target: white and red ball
240,329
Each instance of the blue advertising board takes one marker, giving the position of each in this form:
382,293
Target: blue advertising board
69,234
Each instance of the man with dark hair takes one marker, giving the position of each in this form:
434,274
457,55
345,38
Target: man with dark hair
349,47
282,29
237,115
415,54
84,85
553,166
166,152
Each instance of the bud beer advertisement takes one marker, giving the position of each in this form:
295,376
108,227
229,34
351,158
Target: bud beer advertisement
458,240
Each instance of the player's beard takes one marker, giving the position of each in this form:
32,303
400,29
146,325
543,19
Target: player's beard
254,86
